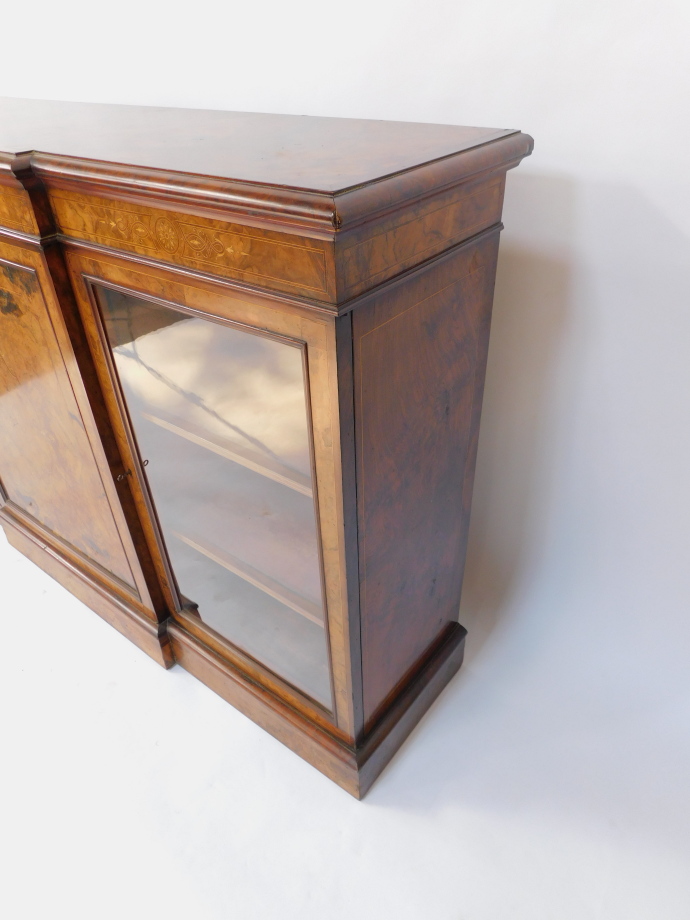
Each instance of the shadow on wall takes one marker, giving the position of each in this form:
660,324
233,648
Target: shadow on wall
583,711
531,309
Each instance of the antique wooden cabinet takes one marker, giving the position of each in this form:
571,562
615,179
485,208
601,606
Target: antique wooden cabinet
241,370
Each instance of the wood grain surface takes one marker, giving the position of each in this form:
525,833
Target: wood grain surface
46,462
419,357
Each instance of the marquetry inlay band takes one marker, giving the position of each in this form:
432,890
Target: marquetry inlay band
251,255
15,211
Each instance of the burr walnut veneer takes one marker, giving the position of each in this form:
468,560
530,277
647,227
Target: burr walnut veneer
241,368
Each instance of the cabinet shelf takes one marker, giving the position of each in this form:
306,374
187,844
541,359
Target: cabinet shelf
246,457
275,589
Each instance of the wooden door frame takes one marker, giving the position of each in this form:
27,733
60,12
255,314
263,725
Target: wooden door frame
219,301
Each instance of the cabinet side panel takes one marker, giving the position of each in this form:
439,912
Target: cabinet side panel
420,352
276,261
47,466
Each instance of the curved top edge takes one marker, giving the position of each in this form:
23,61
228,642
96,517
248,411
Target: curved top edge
305,152
391,163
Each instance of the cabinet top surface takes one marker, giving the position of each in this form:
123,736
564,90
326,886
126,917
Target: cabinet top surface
305,152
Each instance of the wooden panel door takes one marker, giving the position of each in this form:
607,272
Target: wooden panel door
55,480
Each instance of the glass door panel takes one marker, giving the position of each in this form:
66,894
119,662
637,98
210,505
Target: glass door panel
220,418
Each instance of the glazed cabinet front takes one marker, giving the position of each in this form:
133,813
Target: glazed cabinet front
211,396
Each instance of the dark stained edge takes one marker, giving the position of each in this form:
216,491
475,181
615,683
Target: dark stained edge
346,414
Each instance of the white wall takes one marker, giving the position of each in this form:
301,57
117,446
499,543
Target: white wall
551,779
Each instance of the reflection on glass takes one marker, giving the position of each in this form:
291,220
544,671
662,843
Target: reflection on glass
220,415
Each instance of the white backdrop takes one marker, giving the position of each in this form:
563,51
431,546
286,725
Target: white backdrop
550,781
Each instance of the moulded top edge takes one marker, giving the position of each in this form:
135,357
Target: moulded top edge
294,167
305,152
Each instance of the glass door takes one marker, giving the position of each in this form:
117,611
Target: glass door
220,416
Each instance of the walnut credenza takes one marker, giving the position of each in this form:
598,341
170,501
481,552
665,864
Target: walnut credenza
241,367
